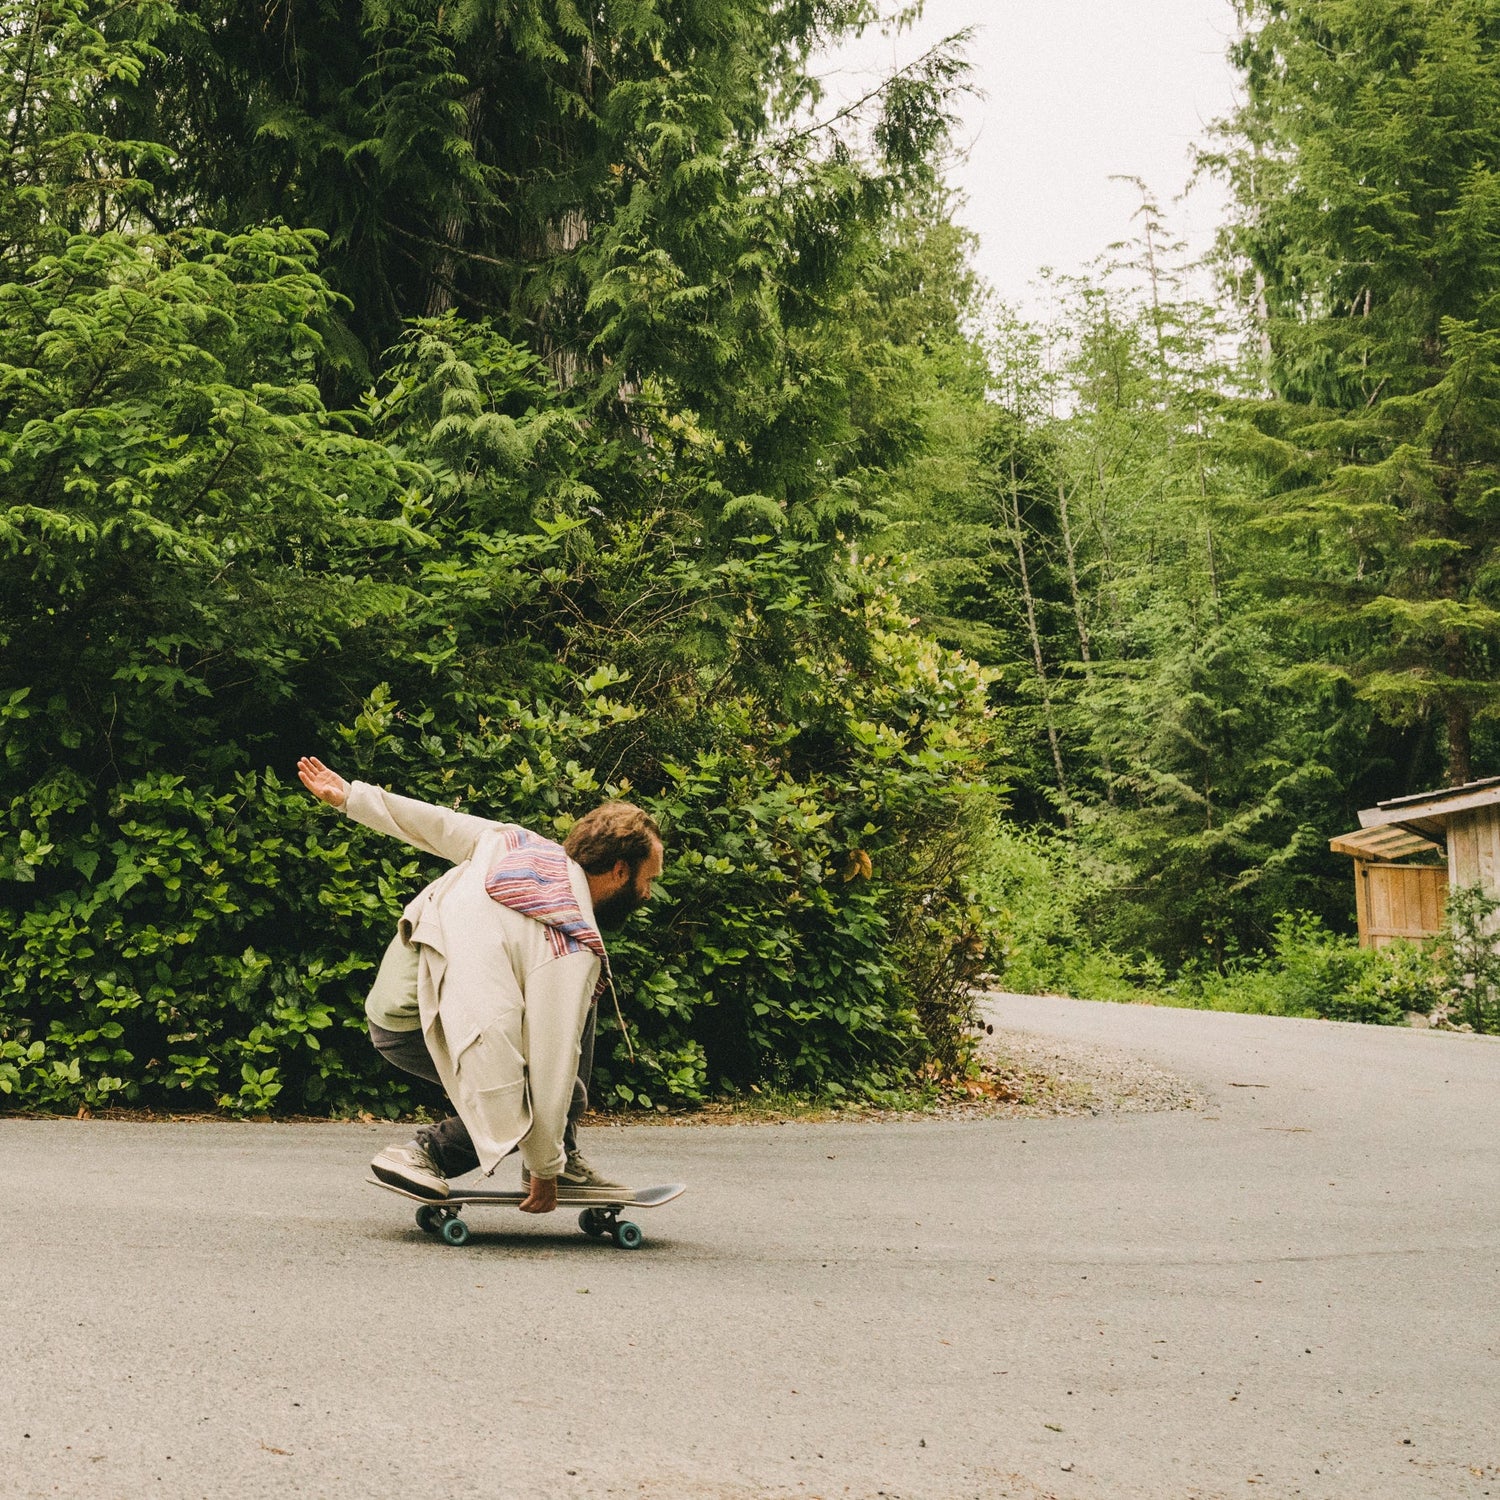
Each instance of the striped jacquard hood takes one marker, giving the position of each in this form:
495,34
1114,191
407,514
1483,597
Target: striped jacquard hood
532,879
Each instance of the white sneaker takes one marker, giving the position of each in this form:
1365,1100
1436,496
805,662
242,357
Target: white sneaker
411,1168
577,1173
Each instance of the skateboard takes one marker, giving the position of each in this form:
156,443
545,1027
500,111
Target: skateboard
599,1219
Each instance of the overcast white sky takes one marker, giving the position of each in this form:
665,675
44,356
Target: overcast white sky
1075,91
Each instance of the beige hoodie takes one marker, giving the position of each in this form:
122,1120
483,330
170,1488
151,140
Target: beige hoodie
502,1016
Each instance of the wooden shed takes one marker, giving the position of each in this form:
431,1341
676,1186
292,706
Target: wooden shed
1400,874
1400,883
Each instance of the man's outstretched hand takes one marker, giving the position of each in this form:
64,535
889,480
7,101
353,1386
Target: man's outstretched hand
327,786
542,1198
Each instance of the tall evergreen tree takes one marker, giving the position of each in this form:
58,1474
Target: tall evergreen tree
1366,169
631,189
67,166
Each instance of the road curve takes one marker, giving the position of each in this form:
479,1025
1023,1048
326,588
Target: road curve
1290,1292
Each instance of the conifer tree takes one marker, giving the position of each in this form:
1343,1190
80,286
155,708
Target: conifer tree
67,167
1366,169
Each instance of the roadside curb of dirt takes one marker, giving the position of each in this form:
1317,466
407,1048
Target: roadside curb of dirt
1021,1077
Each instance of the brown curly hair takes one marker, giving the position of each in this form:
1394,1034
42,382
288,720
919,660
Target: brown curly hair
613,831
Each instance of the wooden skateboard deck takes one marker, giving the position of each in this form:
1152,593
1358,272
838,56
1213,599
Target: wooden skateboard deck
600,1217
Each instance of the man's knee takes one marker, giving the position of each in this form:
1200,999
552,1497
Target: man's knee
406,1050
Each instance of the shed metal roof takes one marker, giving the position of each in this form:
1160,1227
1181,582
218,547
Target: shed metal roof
1413,798
1429,812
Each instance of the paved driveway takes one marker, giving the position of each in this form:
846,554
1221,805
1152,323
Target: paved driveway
1290,1292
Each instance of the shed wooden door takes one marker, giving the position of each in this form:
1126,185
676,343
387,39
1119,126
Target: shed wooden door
1404,901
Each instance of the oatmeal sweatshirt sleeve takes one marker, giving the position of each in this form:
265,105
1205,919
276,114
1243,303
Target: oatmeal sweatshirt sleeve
558,994
435,830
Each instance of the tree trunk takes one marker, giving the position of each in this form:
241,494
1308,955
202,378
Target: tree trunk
1460,753
560,237
440,296
1018,540
1080,620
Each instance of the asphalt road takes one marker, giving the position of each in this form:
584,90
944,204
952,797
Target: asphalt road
1291,1292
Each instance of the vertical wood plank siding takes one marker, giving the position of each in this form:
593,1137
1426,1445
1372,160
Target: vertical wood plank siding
1474,849
1474,853
1398,901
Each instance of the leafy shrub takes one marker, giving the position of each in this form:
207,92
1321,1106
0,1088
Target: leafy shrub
1405,978
817,935
1042,891
179,526
204,572
211,948
1320,973
1313,972
473,585
1467,963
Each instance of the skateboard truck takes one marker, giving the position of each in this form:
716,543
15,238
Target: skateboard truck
598,1222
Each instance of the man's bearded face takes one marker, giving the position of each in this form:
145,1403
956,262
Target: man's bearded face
611,910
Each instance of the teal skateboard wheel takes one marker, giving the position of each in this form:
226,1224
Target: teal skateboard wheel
456,1232
628,1236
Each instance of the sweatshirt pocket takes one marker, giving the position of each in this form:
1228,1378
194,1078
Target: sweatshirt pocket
492,1076
490,1060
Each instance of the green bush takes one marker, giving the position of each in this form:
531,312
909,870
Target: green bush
205,572
198,948
818,934
1467,963
193,967
1313,972
1043,895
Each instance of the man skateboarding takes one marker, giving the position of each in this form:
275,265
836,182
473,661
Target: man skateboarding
491,984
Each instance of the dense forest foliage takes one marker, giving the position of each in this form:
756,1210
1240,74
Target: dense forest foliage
1257,534
518,402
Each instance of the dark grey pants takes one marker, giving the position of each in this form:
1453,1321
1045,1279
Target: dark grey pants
447,1142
